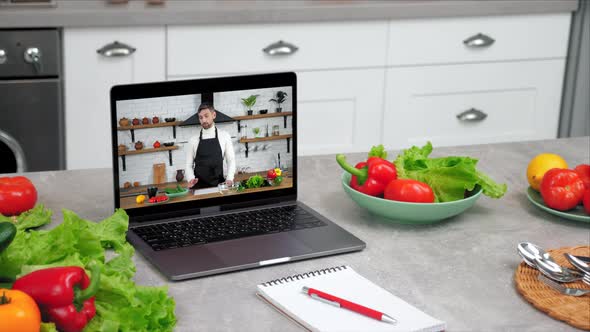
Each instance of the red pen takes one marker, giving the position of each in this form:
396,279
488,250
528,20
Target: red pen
342,303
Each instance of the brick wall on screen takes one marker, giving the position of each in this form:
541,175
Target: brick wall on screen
230,103
140,167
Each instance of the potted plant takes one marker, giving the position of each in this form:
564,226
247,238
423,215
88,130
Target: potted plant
281,96
249,103
256,131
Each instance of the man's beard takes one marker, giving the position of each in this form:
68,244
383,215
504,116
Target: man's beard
207,125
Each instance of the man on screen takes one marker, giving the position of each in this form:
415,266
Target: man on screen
205,153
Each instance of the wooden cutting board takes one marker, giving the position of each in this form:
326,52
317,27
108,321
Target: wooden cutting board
159,173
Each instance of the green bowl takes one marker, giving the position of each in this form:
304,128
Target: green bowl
408,213
178,194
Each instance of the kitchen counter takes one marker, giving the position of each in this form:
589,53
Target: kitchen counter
94,13
460,271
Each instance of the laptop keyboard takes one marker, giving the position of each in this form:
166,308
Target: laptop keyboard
225,227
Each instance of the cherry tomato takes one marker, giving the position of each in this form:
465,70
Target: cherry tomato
562,189
407,190
583,171
586,200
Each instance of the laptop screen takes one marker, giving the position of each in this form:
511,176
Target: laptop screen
221,143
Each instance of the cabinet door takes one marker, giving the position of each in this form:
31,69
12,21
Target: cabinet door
473,103
339,111
89,77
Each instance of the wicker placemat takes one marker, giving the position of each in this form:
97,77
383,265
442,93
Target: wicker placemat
570,309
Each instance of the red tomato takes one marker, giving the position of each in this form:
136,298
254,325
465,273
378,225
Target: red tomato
407,190
583,171
586,200
562,189
17,195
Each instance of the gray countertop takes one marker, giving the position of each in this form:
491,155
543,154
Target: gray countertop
460,270
93,13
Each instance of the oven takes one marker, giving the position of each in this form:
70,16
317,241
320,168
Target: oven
32,135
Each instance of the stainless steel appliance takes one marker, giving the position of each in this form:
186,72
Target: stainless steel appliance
32,134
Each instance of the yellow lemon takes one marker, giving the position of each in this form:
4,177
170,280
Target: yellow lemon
539,165
140,199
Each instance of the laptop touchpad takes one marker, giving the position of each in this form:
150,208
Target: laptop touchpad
259,248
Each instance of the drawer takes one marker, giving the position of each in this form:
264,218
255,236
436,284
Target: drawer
202,50
517,101
438,41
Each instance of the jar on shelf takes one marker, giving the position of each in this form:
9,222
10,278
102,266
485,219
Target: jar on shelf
275,130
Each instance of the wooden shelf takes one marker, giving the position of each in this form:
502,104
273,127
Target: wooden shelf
261,116
262,139
148,126
148,150
269,138
157,125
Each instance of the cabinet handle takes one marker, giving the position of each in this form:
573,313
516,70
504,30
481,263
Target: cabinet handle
14,146
3,56
116,49
280,48
472,115
479,40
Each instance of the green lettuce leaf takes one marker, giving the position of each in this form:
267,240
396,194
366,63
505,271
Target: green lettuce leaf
48,327
378,151
35,217
121,305
449,177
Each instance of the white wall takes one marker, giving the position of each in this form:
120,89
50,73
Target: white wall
140,167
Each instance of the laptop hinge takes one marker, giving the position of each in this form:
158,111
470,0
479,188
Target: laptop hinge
210,210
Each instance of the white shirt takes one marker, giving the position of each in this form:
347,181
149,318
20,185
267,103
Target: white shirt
227,151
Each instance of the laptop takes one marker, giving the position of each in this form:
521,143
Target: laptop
206,169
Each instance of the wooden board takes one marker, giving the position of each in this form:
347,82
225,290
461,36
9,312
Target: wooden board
128,202
575,311
159,173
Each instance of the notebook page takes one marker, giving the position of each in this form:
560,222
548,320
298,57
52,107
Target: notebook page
349,285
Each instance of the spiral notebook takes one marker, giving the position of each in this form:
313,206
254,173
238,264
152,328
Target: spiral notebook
285,295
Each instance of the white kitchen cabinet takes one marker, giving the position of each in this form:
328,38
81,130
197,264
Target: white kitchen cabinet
447,40
519,100
339,111
239,49
89,77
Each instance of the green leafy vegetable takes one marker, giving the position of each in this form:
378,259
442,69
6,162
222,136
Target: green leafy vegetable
448,177
35,217
255,181
121,305
176,190
378,151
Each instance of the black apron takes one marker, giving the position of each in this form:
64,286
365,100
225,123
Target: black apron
208,162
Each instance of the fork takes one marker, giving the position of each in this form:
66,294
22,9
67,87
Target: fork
561,288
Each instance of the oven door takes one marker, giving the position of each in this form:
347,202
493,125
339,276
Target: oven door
31,125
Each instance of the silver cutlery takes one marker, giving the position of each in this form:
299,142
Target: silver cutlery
529,252
583,258
561,288
557,272
578,263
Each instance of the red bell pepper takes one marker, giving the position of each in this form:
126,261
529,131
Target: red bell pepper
271,174
370,177
65,295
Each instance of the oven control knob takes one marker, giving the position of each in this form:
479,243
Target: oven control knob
33,55
3,56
